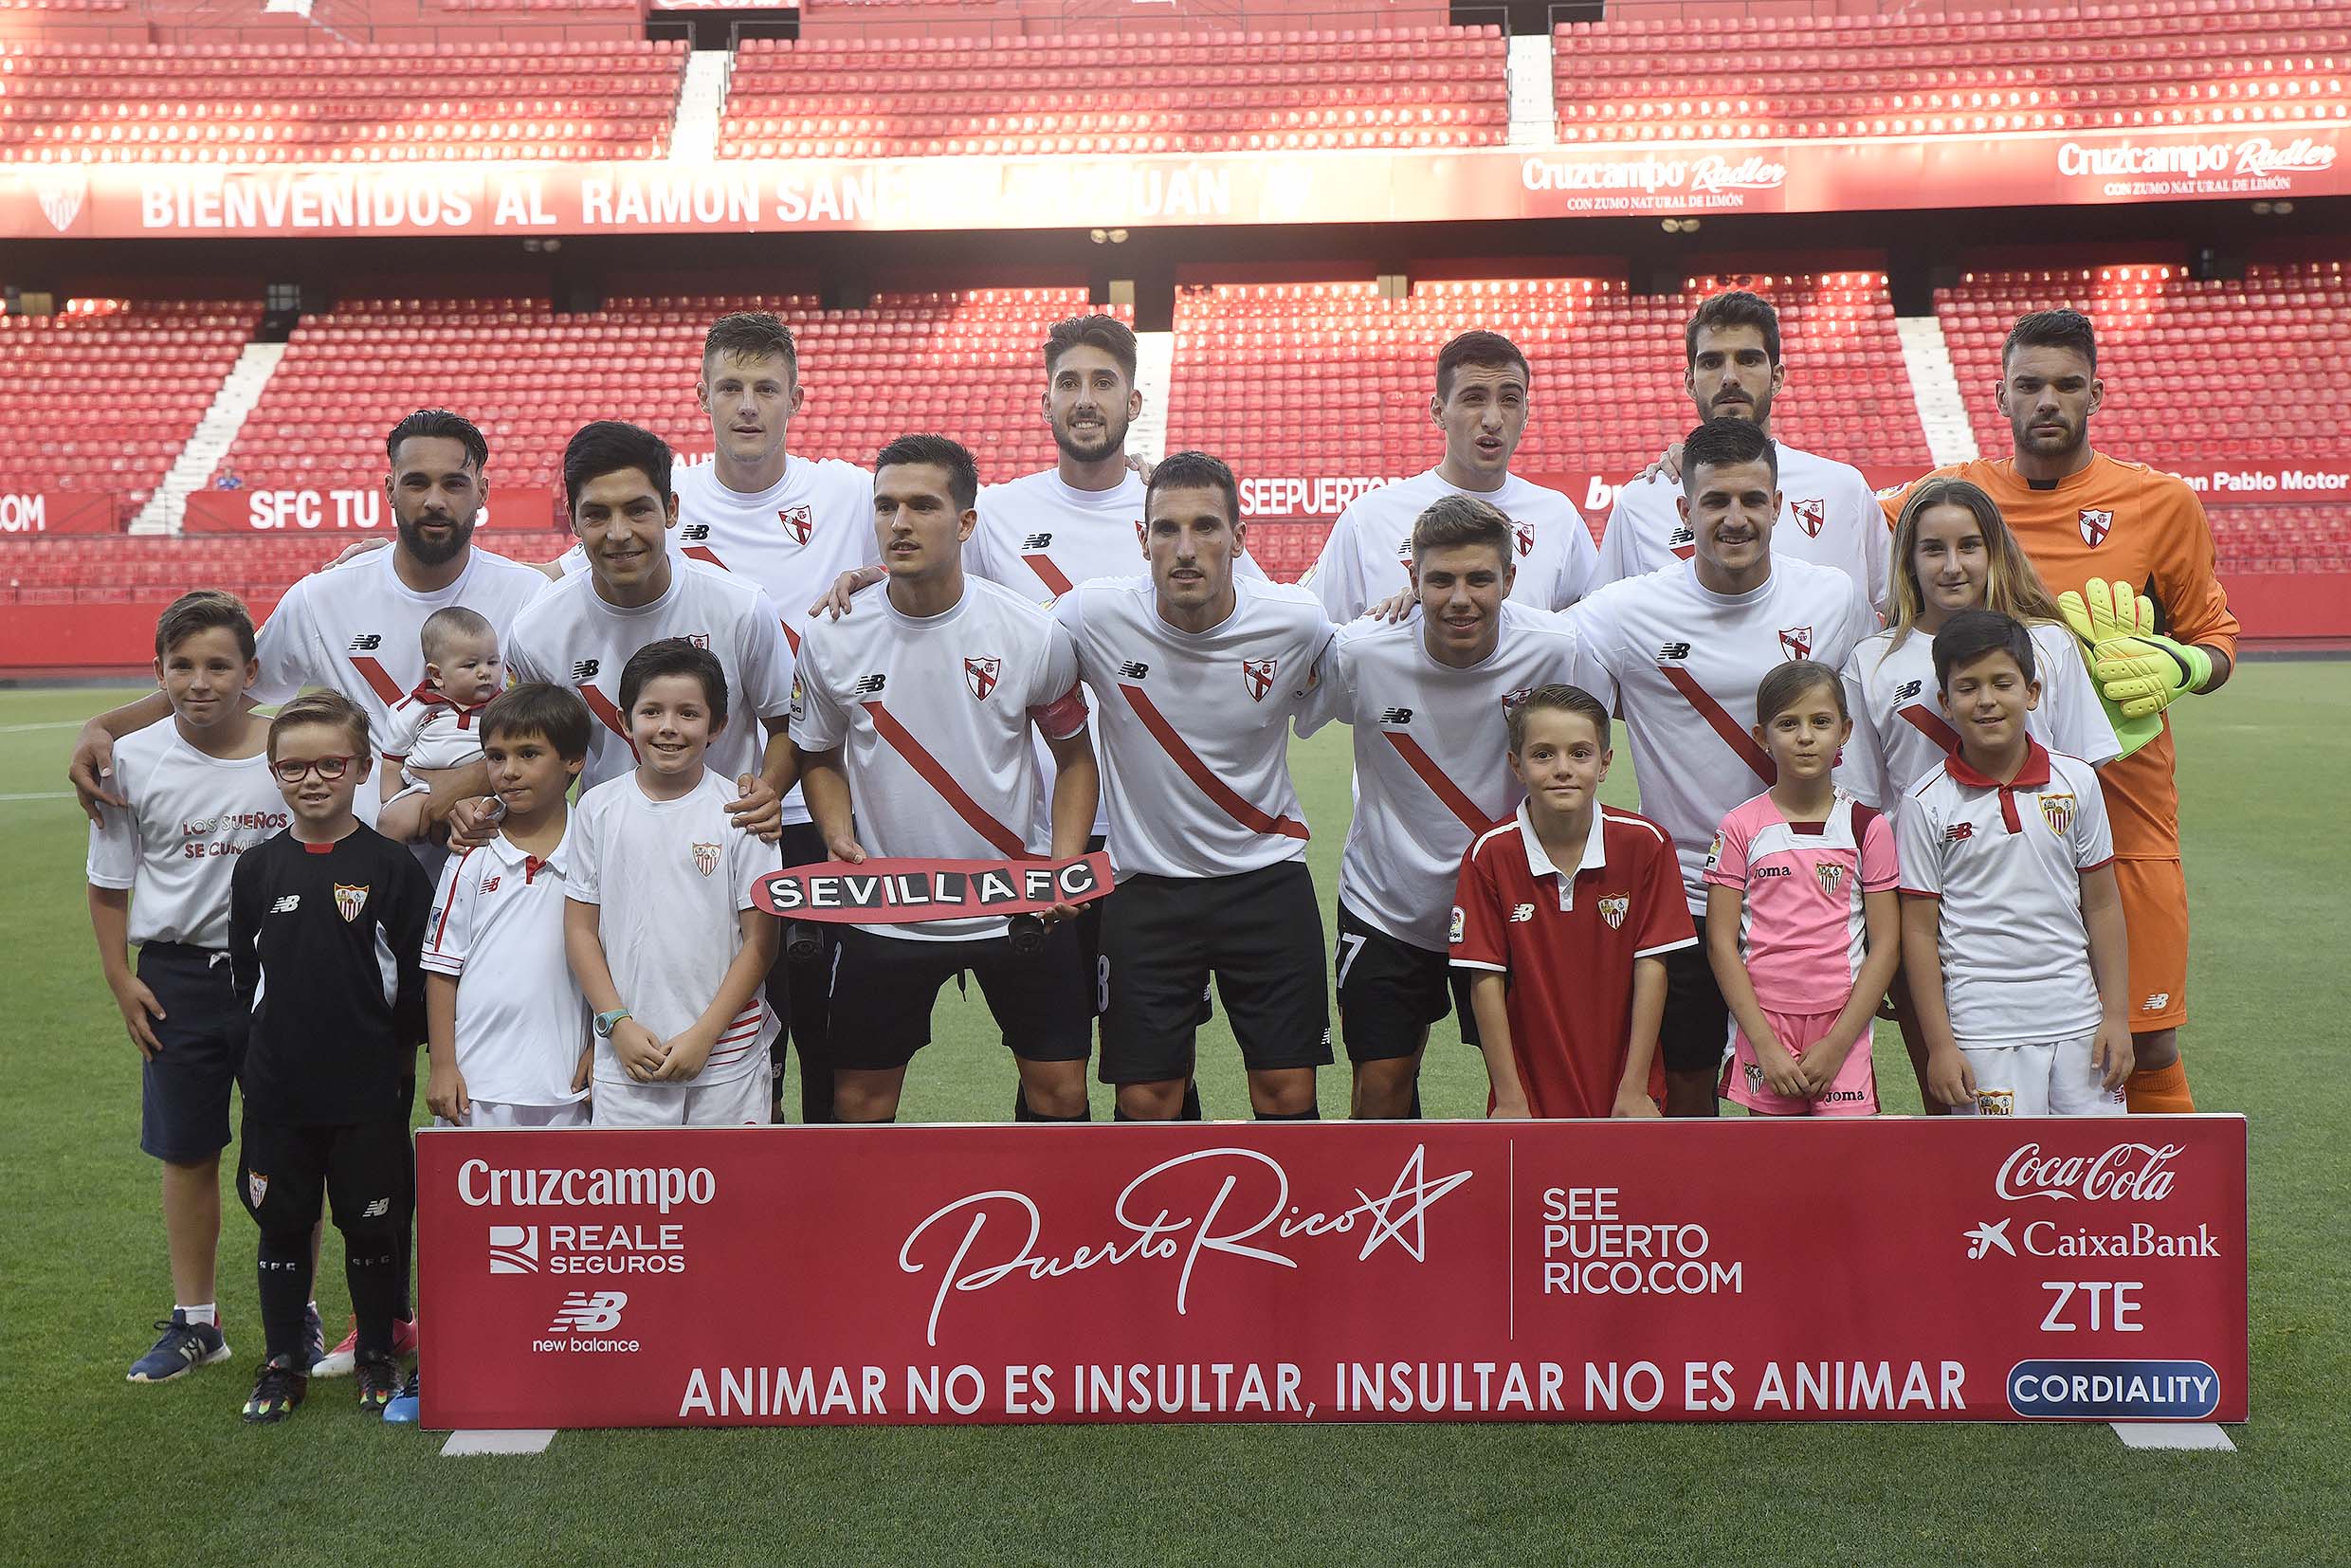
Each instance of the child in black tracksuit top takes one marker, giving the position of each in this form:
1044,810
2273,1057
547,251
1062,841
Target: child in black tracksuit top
325,924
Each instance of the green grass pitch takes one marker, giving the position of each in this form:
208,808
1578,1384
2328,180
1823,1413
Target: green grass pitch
95,1470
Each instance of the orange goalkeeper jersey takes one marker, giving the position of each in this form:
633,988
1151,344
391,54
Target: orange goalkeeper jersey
2121,523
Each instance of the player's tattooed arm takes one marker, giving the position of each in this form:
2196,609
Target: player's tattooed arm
1948,1076
825,785
1649,1017
2109,963
1487,995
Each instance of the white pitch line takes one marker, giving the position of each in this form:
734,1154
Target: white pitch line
51,725
2173,1435
463,1445
41,794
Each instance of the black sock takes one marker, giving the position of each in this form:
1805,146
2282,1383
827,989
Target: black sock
1023,1111
284,1272
1312,1113
1191,1102
377,1275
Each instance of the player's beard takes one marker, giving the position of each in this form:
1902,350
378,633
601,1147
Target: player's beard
1113,440
429,553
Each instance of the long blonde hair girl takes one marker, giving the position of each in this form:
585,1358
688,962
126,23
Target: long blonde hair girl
2012,586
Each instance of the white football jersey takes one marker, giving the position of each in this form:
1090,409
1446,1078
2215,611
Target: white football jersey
356,627
1901,734
497,930
2006,862
1368,557
189,818
933,714
1193,728
670,880
1828,516
423,731
1680,665
1039,538
1431,758
572,638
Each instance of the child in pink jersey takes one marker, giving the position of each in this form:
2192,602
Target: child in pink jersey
1802,921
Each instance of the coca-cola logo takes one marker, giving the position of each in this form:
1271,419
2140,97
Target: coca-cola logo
2125,1173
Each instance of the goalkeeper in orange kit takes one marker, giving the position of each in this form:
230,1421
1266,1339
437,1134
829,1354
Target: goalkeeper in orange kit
2129,551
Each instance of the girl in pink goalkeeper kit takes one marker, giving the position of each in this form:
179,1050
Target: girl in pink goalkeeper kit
1802,920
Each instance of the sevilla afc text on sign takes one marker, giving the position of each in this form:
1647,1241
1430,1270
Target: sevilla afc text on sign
1882,1269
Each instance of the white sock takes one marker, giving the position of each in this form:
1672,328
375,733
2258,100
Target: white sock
207,1313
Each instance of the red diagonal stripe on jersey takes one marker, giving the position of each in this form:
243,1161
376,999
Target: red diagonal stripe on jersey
442,924
378,677
704,554
1439,785
902,741
1931,726
1724,725
602,707
1047,574
1214,788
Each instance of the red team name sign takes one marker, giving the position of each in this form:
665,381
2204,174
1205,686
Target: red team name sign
1886,1269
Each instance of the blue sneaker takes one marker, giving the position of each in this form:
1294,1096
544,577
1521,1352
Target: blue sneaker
183,1345
406,1405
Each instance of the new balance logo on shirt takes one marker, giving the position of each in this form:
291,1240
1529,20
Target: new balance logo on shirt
1958,831
287,904
1906,692
1134,669
367,642
1521,914
868,685
1673,653
584,671
1395,716
1037,541
694,532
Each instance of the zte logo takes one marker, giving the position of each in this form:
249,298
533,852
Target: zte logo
869,685
1907,691
514,1248
1673,653
1396,715
1958,831
694,532
1134,669
583,1313
585,670
1037,541
367,642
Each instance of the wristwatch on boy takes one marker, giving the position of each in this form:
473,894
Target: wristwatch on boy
608,1022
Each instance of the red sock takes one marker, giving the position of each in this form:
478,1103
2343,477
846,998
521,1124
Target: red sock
2159,1091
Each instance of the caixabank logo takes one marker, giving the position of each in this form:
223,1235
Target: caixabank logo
2113,1390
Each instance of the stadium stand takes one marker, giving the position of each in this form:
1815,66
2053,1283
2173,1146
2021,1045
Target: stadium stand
1332,378
101,395
98,569
1176,93
966,363
330,103
2144,62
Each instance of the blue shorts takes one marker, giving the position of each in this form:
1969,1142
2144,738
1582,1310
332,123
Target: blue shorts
184,1088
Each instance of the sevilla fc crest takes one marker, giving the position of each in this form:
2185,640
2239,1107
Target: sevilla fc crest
1613,910
1798,641
1831,877
2057,810
705,858
797,521
2096,523
980,675
256,1187
1524,534
1258,675
349,901
1811,515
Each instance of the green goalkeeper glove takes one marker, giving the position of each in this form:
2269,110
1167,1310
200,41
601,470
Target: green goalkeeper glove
2138,671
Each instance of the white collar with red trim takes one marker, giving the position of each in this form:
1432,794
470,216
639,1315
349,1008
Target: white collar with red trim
1538,861
2032,775
516,858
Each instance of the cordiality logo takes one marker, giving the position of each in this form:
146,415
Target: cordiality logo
2114,1391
